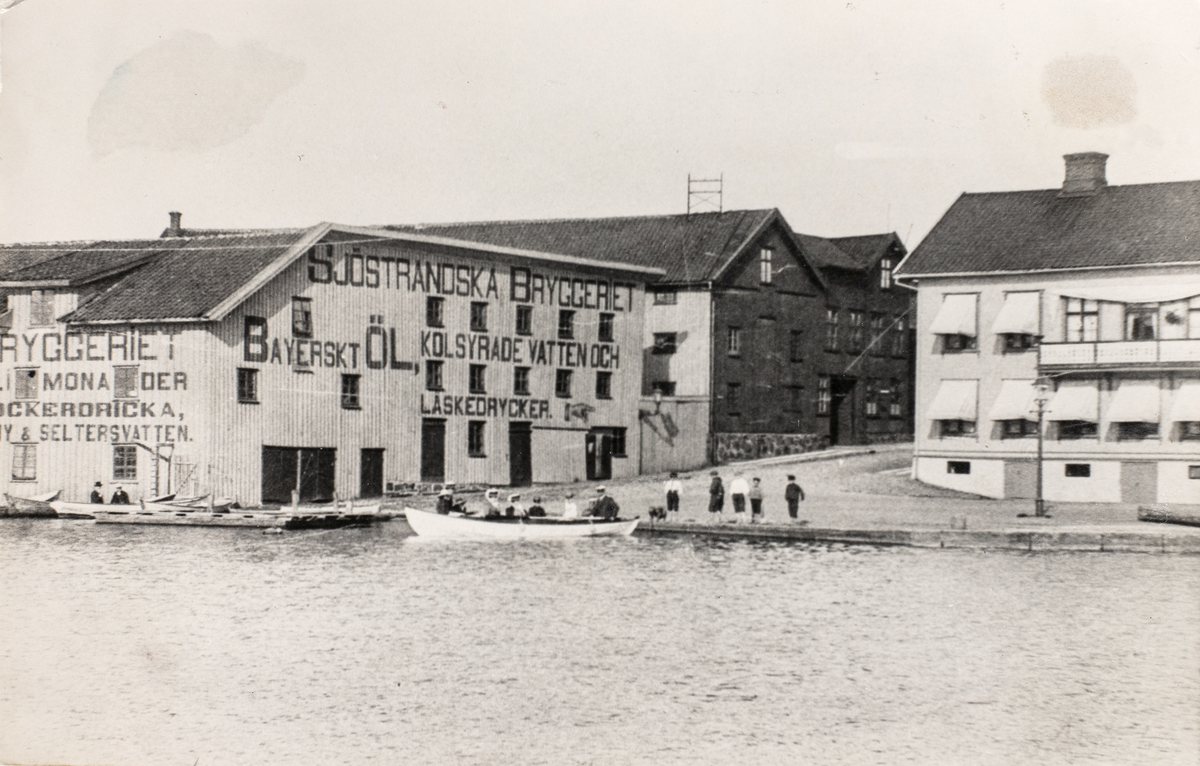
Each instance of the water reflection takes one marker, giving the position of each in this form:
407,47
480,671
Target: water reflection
148,645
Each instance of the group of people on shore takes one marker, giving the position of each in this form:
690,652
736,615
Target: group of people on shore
741,493
603,506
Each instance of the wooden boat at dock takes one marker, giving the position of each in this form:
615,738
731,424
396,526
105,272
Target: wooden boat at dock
460,526
288,517
37,506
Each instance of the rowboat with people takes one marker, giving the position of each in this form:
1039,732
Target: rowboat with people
479,527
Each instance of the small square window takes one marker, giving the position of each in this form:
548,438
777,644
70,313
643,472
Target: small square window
524,320
1194,471
957,427
302,317
1137,431
603,385
125,382
958,466
1077,470
1076,429
953,344
1014,342
664,343
477,379
433,375
1189,430
605,333
562,383
475,438
478,317
566,325
435,312
124,462
26,383
665,297
350,392
24,462
1019,429
735,341
521,381
247,385
663,387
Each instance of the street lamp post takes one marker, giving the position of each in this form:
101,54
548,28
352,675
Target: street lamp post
1041,394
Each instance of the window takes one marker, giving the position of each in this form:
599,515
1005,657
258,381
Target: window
1077,470
733,398
477,379
885,274
665,297
664,343
26,383
1083,320
900,337
350,392
877,330
433,375
618,442
603,385
521,381
1019,342
1018,429
896,407
1189,430
566,325
957,427
41,308
247,386
953,344
958,466
434,311
25,462
605,333
1194,471
795,398
125,462
871,398
764,265
796,350
831,329
524,320
475,436
302,317
856,332
478,316
562,383
823,395
1141,321
663,387
1076,429
735,341
125,382
1136,431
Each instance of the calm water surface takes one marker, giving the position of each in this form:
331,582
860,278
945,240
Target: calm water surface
167,646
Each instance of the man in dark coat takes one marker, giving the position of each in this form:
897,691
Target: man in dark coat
793,494
605,507
716,497
120,497
96,496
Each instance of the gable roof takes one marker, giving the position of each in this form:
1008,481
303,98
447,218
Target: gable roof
1137,224
866,249
689,248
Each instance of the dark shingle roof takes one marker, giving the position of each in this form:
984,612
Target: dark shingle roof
87,261
688,248
189,276
866,249
1039,230
825,254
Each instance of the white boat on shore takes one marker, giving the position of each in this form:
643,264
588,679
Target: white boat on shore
459,526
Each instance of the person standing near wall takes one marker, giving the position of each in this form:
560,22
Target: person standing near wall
673,487
793,494
756,500
716,497
738,489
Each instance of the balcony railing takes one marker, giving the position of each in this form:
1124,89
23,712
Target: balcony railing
1121,353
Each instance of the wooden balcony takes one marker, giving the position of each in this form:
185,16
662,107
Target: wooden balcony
1120,354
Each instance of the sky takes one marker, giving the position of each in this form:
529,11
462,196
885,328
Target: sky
850,117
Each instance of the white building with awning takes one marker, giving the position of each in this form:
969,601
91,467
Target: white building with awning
1084,298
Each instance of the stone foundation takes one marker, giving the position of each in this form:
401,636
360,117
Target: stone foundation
731,447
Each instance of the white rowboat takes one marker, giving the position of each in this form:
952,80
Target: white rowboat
458,526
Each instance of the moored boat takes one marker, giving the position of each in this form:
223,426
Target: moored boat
37,506
457,525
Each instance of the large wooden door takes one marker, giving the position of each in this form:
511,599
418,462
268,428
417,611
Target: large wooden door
370,483
317,475
295,469
520,454
433,450
279,465
598,444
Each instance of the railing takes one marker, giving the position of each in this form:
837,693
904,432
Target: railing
1120,352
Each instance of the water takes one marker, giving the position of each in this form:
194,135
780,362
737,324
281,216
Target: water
171,646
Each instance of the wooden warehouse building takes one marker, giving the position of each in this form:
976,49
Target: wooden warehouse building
332,359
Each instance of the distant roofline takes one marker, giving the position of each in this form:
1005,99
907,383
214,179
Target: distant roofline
574,219
1110,267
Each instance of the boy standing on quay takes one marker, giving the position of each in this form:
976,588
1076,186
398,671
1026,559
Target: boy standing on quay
716,497
756,498
793,494
673,488
738,489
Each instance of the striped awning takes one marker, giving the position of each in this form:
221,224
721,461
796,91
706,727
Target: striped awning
1015,401
1075,400
1136,401
1020,315
1187,402
955,400
957,315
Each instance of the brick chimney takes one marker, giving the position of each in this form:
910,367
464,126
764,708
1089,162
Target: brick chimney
176,227
1085,174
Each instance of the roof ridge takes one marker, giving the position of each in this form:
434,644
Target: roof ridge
577,219
1107,187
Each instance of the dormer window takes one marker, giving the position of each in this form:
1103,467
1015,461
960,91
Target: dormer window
764,265
41,308
885,274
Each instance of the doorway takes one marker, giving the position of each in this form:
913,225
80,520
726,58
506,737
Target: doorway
370,473
433,450
308,471
599,444
520,454
841,411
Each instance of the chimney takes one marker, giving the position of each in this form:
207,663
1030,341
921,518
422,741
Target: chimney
176,227
1085,174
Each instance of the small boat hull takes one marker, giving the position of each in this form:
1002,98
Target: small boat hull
457,526
30,507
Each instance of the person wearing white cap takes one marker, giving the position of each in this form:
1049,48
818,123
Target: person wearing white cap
514,506
445,500
605,507
570,509
492,497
